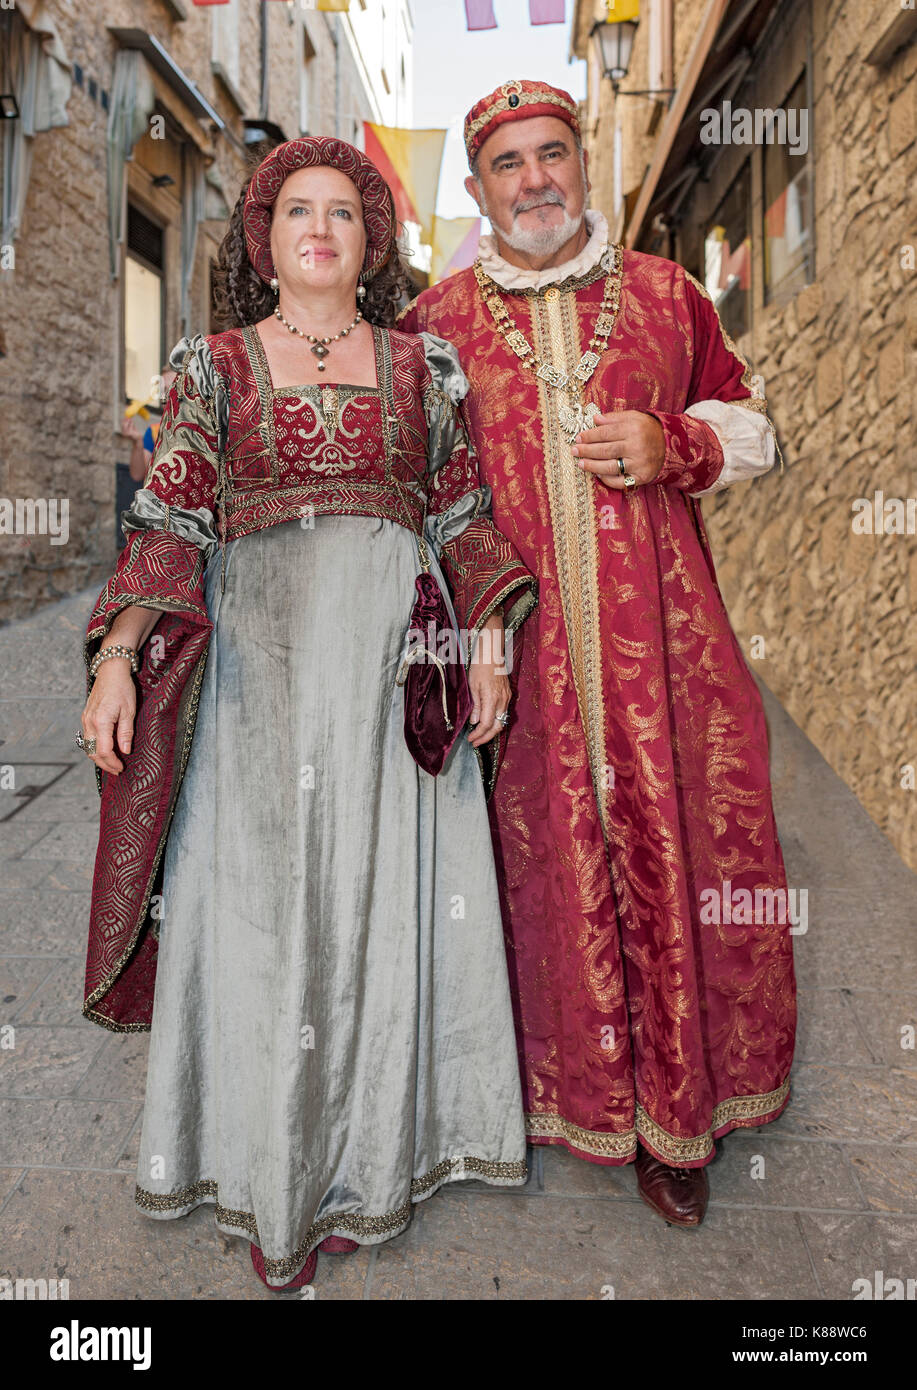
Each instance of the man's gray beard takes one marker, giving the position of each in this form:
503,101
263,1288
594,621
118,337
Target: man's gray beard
539,241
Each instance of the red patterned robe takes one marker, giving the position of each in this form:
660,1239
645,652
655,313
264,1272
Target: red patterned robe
633,801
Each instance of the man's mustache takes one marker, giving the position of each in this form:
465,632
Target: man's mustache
542,200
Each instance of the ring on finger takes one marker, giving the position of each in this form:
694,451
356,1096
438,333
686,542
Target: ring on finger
630,482
622,468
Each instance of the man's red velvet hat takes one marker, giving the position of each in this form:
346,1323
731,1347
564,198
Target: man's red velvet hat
517,101
283,160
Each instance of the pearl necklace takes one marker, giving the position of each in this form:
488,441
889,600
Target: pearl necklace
319,345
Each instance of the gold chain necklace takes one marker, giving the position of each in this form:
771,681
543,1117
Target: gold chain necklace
573,416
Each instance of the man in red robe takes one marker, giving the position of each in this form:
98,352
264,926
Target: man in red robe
643,889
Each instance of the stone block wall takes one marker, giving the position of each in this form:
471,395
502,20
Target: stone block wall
839,360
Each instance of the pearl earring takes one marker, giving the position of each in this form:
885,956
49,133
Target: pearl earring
361,292
275,284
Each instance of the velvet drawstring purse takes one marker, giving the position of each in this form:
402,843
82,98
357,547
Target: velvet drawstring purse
437,697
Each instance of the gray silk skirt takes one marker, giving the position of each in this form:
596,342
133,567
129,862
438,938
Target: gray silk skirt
332,1034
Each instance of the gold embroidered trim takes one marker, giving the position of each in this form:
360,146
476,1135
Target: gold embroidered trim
590,1141
257,359
349,1223
502,104
573,521
573,282
520,609
345,497
737,1111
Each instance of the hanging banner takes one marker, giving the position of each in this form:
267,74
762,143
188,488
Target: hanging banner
480,14
455,245
547,11
409,161
623,9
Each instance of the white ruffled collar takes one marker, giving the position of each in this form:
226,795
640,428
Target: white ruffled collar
514,277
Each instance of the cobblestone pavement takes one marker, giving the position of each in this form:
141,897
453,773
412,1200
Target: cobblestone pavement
838,1200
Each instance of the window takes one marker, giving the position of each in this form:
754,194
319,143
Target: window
727,256
144,302
788,238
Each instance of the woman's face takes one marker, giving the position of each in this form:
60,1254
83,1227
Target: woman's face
318,240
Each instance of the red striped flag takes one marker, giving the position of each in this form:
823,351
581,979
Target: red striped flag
480,14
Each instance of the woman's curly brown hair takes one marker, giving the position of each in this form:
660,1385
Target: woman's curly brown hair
241,297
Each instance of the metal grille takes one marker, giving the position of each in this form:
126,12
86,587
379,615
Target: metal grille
144,238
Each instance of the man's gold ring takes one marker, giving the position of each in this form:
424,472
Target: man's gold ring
630,482
621,468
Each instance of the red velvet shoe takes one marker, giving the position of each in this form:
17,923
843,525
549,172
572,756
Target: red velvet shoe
305,1275
338,1245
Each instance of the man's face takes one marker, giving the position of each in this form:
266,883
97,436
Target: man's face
532,184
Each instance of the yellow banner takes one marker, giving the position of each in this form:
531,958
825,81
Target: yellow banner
623,9
415,157
455,244
337,6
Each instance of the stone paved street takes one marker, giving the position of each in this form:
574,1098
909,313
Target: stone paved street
838,1200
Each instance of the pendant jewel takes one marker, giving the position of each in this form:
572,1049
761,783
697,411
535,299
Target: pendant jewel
320,346
574,418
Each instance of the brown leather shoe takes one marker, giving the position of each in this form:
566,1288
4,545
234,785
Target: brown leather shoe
677,1194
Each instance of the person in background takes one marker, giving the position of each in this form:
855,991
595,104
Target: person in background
143,433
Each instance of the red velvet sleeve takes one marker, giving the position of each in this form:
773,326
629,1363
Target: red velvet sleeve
482,567
169,526
161,566
693,454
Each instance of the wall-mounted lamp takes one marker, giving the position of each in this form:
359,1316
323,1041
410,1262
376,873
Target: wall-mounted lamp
616,44
9,107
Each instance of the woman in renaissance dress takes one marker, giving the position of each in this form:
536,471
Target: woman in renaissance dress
331,1030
